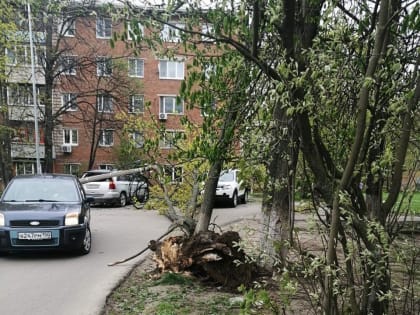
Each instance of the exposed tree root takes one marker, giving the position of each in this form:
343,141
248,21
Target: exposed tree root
208,255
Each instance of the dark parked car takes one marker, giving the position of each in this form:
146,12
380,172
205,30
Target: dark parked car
45,212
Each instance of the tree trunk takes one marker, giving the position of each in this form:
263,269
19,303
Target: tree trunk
48,99
6,165
278,211
223,145
208,198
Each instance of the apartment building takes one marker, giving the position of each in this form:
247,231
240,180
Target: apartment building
96,82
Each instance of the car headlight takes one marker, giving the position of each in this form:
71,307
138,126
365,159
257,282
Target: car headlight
72,218
227,187
1,219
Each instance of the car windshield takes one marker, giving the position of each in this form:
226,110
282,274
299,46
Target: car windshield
41,190
226,177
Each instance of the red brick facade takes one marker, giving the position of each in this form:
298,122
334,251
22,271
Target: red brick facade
86,45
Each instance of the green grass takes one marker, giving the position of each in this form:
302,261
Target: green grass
172,294
415,203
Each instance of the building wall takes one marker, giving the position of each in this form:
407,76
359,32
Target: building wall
86,45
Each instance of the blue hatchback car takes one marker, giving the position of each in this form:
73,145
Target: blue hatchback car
45,212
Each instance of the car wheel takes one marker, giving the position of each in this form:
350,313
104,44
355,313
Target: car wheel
245,197
141,198
123,200
87,243
146,194
234,199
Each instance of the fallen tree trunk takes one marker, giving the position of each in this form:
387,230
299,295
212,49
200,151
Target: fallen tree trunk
207,255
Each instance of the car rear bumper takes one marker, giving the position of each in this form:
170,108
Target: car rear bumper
104,198
63,238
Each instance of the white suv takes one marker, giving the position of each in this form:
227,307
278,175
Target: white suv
117,190
231,188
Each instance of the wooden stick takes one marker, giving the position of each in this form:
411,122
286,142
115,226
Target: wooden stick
143,250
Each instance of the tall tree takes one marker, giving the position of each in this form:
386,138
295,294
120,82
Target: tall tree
7,38
351,119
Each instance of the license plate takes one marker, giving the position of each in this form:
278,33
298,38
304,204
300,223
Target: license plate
36,236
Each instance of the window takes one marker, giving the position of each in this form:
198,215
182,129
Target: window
138,139
27,135
21,55
209,70
106,138
208,108
173,173
171,69
136,67
103,27
21,94
170,138
104,103
171,105
10,56
24,168
171,33
68,65
69,101
72,168
109,167
206,29
70,136
136,104
103,66
134,30
68,26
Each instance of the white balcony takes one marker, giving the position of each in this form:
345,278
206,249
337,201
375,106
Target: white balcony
24,112
27,151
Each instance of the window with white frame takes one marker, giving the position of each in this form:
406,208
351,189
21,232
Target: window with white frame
69,101
136,104
206,29
134,30
172,33
136,67
171,69
137,138
72,168
70,136
208,108
103,66
25,168
103,27
68,26
170,138
173,173
106,138
209,70
11,57
21,55
104,103
170,104
21,94
68,65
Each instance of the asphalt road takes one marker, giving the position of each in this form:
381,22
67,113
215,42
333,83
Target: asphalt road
41,284
63,284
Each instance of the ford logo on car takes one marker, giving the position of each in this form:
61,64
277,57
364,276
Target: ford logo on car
34,223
